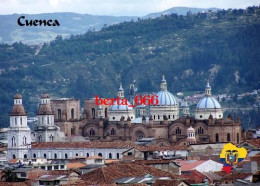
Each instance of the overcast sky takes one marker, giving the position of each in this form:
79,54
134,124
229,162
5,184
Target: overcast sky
113,7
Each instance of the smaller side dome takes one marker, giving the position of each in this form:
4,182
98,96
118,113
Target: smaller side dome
18,96
18,110
190,130
45,109
44,96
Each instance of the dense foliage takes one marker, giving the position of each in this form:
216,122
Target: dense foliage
221,46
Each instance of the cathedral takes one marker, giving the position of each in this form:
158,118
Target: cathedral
61,118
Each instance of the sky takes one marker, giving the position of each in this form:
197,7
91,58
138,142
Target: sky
114,7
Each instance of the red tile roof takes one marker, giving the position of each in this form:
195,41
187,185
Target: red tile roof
254,142
167,182
236,175
65,145
116,171
195,176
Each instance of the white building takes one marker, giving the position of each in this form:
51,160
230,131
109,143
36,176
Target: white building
167,105
208,106
19,134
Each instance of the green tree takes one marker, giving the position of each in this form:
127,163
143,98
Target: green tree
8,175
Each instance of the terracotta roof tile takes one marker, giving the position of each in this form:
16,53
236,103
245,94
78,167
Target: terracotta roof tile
194,175
167,182
236,175
254,142
76,165
116,171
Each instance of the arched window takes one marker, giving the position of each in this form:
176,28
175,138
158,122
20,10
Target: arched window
24,140
66,156
21,120
87,154
237,138
77,154
154,117
113,132
169,116
178,130
42,120
48,120
15,121
100,154
34,155
14,156
55,156
93,113
228,136
51,138
217,138
72,131
72,113
44,155
200,130
110,156
117,155
158,116
40,138
59,113
92,132
172,116
105,112
25,156
13,141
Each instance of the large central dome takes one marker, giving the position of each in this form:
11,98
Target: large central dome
165,98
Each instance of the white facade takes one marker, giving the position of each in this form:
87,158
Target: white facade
208,106
19,134
167,105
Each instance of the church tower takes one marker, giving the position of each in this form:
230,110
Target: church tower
19,134
191,139
120,92
45,129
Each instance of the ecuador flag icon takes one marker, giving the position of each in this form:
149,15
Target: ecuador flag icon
231,155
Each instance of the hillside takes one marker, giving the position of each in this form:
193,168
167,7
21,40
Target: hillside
70,24
223,47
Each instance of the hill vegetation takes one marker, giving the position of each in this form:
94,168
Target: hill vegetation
221,46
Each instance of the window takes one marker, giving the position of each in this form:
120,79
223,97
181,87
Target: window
200,116
92,132
44,155
51,138
154,117
77,154
114,118
228,136
25,156
13,141
98,161
113,132
59,113
48,120
237,138
158,116
220,116
93,113
55,156
129,154
34,155
42,120
40,138
200,130
169,116
217,138
72,113
24,140
21,121
100,154
117,155
178,130
87,154
66,156
62,166
105,112
110,156
173,116
15,121
49,167
14,156
23,174
56,167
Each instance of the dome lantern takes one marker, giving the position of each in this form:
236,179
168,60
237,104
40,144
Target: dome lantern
208,89
163,84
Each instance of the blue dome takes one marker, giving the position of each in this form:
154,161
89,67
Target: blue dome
166,98
116,107
208,103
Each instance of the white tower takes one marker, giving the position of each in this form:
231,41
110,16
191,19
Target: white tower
100,111
45,129
19,134
185,109
191,139
120,92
